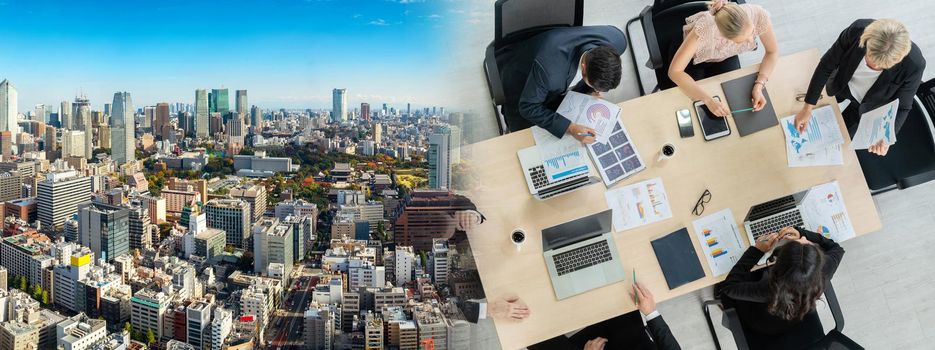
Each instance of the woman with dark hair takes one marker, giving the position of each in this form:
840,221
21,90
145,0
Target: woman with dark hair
776,300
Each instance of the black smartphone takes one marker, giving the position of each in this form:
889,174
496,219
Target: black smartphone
684,117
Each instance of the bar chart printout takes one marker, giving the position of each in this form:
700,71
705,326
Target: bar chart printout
720,240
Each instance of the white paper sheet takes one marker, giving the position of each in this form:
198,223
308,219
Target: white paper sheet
720,240
824,212
878,124
561,157
590,111
638,204
819,145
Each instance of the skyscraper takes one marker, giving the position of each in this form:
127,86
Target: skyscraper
242,106
339,105
201,113
439,158
59,195
39,115
123,130
221,101
365,111
256,115
8,109
82,114
65,117
161,127
105,229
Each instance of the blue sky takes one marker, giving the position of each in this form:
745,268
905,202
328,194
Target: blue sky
287,53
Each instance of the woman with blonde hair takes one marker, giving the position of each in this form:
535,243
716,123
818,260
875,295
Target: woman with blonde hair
712,37
872,63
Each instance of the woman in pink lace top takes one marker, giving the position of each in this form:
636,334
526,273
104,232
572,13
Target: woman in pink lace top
725,30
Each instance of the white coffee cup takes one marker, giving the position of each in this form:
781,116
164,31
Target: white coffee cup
518,237
667,151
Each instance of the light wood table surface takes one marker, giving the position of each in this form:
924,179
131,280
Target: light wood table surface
739,172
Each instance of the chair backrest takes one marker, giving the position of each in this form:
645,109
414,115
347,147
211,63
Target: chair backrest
513,16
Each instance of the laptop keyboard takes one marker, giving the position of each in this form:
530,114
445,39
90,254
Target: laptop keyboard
582,257
775,223
539,179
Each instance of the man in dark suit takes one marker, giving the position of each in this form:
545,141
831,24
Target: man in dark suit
872,63
537,72
624,332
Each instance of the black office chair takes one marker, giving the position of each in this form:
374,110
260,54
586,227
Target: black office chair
911,161
807,335
515,20
662,29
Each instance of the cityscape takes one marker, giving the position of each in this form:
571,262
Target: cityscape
221,225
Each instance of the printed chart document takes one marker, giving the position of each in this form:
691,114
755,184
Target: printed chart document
823,211
878,124
638,204
720,240
561,157
590,111
819,145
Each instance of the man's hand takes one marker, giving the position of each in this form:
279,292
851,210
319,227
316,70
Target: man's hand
467,219
646,303
766,242
595,344
717,107
880,148
759,101
514,310
802,118
582,133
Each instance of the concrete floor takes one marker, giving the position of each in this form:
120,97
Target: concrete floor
886,283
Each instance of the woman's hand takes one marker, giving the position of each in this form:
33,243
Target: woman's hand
766,242
802,118
759,101
880,148
717,107
595,344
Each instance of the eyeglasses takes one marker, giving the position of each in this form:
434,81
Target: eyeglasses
801,97
699,206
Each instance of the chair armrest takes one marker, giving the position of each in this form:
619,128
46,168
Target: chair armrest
835,307
649,32
916,179
494,84
733,324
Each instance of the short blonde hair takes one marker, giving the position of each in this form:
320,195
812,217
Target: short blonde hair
886,42
730,18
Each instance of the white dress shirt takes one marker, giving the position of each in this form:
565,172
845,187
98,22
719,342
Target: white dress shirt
862,80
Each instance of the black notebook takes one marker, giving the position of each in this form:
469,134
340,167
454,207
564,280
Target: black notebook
676,256
739,95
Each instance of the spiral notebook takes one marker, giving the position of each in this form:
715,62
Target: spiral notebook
677,257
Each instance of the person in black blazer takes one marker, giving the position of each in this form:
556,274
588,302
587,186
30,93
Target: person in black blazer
624,332
777,299
537,72
872,63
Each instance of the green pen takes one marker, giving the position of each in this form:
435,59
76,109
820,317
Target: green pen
742,110
635,293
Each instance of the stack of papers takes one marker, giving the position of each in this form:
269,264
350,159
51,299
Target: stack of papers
720,241
819,145
823,211
876,125
638,204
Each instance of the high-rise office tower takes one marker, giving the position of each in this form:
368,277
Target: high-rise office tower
256,116
339,105
201,113
242,106
51,143
148,116
385,111
66,119
8,108
103,136
408,110
105,229
236,131
365,111
455,143
439,159
59,195
377,133
82,113
39,115
233,216
73,143
161,127
123,129
107,109
6,145
221,101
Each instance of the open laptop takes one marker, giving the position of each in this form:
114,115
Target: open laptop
771,216
581,255
539,184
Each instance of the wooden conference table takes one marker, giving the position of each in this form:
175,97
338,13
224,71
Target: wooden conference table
739,172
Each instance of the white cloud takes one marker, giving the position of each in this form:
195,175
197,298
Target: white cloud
379,22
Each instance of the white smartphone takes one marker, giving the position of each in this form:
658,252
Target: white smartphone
712,126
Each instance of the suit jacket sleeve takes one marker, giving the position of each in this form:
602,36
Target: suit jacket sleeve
472,310
532,103
661,334
908,90
833,252
741,284
830,61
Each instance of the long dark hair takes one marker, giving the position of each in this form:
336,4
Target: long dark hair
796,280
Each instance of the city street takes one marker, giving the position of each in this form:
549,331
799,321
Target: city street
286,326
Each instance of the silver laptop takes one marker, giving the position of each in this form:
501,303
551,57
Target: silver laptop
539,184
581,255
771,216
